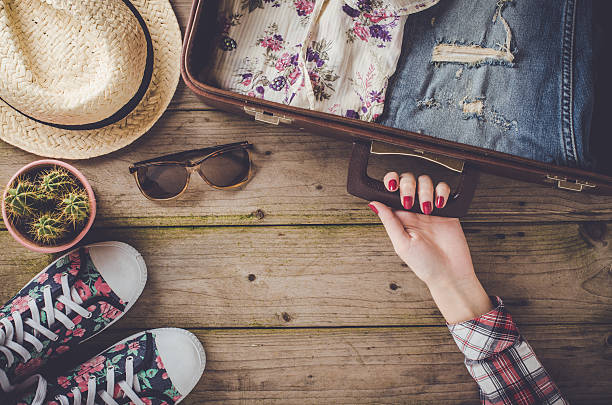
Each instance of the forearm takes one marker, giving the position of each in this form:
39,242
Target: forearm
460,300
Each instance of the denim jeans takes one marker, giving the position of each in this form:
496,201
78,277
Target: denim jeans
511,76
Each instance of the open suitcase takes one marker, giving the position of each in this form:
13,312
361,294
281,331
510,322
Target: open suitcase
457,163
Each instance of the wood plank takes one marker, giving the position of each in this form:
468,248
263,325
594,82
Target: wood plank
299,178
375,365
344,275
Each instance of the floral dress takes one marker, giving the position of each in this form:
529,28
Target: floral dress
333,56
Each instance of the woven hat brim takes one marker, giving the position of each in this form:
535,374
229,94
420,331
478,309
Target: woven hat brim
48,141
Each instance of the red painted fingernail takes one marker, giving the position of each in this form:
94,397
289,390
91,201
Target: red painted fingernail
407,202
427,207
392,185
373,208
440,202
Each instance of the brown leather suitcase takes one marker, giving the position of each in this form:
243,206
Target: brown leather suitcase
459,161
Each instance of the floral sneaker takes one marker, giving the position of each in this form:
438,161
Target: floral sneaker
73,299
156,367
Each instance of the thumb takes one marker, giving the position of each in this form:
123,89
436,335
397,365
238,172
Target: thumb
392,224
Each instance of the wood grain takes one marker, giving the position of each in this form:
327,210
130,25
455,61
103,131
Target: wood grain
344,275
375,365
299,179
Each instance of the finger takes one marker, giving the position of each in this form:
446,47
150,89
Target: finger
442,193
391,181
407,186
425,189
392,224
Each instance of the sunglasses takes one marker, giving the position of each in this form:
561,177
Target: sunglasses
167,177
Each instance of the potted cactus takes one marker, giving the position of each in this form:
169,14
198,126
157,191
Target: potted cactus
48,206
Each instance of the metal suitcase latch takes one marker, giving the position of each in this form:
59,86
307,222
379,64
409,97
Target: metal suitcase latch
568,184
268,118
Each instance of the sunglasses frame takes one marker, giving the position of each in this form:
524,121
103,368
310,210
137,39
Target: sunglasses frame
182,159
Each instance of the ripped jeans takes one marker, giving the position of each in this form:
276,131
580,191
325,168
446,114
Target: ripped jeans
511,76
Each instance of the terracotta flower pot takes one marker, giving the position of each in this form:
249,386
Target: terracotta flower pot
25,240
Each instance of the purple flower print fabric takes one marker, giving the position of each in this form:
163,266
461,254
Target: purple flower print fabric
326,55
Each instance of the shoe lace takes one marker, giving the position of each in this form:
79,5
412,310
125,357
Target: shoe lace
130,388
13,335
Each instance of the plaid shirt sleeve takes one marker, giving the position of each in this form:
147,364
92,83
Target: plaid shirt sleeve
502,362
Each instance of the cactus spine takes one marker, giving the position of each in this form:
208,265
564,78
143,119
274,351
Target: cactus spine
21,199
75,207
53,182
48,228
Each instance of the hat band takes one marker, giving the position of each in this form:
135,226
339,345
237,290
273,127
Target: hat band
130,105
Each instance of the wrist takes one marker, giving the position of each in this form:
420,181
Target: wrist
460,299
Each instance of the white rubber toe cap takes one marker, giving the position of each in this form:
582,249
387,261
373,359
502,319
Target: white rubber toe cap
122,267
183,357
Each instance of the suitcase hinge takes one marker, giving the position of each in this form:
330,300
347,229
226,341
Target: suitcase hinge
568,184
268,118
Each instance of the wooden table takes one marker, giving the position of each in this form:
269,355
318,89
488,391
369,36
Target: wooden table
295,291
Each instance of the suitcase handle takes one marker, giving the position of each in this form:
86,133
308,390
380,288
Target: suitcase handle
361,185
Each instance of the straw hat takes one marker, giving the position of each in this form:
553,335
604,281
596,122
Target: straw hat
81,78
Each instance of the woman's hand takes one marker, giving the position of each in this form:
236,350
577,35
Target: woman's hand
434,247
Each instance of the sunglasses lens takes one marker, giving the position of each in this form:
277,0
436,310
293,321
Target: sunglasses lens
162,181
227,169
